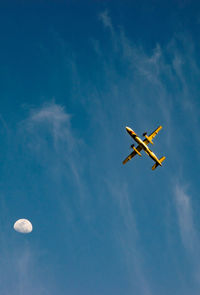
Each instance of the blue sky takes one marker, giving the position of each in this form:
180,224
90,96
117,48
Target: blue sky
73,75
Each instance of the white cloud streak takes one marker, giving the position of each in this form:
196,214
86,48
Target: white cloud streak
52,119
21,272
106,20
50,137
128,239
188,231
185,218
56,119
143,76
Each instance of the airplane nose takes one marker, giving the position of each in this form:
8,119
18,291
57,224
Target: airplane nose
129,130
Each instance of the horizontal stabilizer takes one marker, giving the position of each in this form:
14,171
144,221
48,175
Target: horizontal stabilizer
162,159
157,164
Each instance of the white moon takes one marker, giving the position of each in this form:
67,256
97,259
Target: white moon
23,226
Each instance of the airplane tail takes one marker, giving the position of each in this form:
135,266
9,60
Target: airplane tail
156,164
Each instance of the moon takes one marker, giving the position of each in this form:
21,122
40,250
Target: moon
23,226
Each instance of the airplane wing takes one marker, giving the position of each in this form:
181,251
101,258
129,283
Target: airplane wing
133,154
152,135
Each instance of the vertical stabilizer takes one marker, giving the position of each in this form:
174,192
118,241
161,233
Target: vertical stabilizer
155,166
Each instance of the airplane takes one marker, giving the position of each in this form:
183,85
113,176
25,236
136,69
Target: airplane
143,145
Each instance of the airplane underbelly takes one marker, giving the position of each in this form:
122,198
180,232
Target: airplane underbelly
153,156
147,149
142,144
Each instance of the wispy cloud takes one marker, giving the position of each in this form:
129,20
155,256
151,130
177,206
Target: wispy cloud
140,77
51,139
21,273
188,231
185,218
106,20
160,77
49,127
128,238
57,118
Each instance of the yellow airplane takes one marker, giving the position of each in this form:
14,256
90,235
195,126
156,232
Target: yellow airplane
142,145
